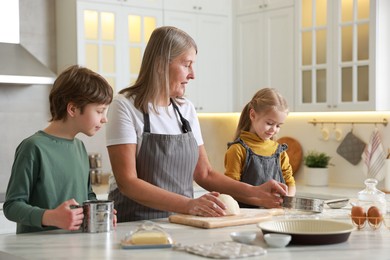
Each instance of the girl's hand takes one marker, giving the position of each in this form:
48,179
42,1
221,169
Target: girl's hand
207,205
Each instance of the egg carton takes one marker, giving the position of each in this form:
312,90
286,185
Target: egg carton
373,222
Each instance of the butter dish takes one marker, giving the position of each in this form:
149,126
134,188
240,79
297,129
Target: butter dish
147,235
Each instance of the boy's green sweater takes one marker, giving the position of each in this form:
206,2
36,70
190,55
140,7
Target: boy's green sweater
46,172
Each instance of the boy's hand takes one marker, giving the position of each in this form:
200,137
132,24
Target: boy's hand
64,216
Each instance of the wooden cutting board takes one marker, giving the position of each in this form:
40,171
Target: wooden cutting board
294,152
247,216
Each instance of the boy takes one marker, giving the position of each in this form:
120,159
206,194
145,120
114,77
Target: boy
51,169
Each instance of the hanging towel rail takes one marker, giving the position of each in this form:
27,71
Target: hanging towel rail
315,122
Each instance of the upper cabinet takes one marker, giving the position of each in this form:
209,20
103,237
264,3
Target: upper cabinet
218,7
265,49
134,3
108,37
209,23
255,6
343,55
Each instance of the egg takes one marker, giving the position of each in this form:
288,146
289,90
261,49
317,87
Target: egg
358,215
374,215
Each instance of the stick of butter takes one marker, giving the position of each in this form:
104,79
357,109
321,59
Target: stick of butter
149,238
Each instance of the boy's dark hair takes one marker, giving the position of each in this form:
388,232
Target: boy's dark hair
80,86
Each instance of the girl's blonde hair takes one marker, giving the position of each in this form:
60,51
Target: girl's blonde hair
263,101
165,44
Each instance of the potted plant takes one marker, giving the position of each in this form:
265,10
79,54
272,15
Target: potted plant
316,168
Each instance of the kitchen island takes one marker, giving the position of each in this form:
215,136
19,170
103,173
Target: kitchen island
59,244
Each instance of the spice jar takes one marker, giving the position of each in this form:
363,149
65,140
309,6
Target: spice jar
95,160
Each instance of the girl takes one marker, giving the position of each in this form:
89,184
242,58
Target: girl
254,157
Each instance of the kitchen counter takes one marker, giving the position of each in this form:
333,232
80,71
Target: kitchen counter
362,244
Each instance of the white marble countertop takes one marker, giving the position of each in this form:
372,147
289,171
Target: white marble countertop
362,244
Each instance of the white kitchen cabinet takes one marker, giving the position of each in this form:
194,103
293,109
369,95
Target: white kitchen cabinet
158,4
255,6
107,38
265,53
217,7
343,55
211,91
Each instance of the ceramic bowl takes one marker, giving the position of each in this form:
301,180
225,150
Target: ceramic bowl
245,237
277,240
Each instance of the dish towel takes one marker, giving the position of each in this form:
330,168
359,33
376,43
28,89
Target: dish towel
374,157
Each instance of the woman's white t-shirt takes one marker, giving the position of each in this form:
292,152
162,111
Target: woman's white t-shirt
126,123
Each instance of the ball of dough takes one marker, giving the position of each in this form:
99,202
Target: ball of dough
232,207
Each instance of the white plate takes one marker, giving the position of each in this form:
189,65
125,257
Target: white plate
310,231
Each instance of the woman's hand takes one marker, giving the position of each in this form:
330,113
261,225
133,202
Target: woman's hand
207,205
64,216
271,194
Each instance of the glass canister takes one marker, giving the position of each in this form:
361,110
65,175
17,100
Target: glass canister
371,196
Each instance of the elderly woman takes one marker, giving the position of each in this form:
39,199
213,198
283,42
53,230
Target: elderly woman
155,143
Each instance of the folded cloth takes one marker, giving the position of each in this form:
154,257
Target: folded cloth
351,148
374,157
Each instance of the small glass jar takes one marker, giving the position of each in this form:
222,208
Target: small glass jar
95,160
92,175
371,196
99,175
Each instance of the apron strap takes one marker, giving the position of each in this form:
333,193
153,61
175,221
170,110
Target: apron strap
185,124
146,123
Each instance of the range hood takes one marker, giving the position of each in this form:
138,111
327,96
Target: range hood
17,65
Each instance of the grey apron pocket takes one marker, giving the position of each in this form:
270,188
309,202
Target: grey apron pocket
351,148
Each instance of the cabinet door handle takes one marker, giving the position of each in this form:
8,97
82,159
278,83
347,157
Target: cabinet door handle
199,8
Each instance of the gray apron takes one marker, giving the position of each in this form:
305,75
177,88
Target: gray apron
166,161
259,169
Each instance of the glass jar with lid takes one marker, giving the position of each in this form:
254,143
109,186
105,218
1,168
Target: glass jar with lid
371,196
